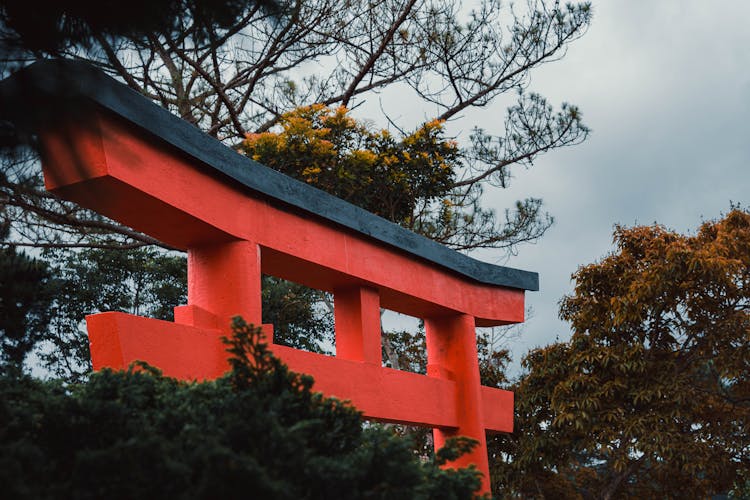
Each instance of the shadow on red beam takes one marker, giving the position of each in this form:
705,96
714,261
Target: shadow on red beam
190,353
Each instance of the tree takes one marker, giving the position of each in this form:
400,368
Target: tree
258,429
139,281
328,149
651,395
240,77
27,289
302,317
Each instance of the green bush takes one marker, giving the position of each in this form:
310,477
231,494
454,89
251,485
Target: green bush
258,432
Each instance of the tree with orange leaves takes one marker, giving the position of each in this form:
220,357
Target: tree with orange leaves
651,395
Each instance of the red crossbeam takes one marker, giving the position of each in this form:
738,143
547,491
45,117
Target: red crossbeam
232,235
187,352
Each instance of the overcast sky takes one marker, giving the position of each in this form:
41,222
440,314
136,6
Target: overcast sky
665,86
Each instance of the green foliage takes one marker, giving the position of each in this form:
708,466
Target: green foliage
741,488
649,398
54,26
299,315
258,431
405,350
143,281
27,290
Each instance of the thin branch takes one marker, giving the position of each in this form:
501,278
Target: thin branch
375,56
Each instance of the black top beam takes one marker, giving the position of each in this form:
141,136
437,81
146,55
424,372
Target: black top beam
34,89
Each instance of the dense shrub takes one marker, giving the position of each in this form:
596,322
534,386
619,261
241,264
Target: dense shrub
258,432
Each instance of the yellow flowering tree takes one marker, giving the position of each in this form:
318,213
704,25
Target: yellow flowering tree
386,175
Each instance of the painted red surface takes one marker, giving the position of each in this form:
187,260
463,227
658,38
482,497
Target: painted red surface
232,236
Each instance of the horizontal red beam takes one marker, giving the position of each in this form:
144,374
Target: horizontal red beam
380,393
497,409
186,352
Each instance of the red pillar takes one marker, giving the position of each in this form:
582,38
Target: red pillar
357,317
452,355
223,281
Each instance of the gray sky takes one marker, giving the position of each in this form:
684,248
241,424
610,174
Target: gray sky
665,86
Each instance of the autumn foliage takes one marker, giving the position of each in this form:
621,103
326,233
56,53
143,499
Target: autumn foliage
651,396
385,175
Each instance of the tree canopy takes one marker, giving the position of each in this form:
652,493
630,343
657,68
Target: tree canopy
53,27
651,395
27,290
140,281
386,176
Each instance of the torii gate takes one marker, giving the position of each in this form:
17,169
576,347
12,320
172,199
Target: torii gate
114,151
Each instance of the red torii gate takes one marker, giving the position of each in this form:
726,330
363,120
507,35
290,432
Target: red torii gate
116,152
